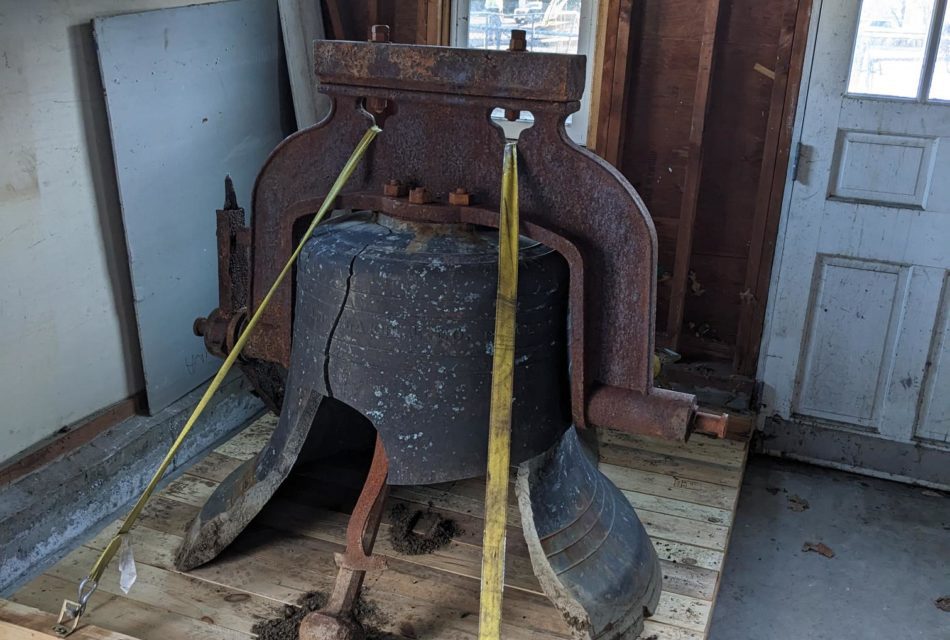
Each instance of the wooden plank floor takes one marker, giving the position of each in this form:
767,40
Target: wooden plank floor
685,495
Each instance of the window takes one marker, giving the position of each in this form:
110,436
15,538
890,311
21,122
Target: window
902,50
552,26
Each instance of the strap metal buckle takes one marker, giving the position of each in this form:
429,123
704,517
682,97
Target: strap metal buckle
71,611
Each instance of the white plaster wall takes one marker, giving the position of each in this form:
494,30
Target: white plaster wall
68,345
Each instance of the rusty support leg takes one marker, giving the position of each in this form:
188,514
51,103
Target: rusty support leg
335,621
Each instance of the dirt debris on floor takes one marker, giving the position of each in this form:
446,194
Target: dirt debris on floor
819,547
797,503
371,619
286,626
943,603
405,540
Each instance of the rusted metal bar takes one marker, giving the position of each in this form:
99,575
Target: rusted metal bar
661,413
364,523
222,326
711,424
549,77
335,621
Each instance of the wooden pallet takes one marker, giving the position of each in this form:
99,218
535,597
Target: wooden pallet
685,495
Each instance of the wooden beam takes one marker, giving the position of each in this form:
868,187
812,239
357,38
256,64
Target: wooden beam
372,13
597,77
422,22
336,19
687,217
301,23
789,63
609,100
432,22
446,22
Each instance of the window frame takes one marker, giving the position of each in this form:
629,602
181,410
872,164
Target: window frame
578,122
928,65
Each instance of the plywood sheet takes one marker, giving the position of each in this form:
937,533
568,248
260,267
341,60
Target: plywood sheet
193,93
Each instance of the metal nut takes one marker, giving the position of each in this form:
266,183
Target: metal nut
395,189
460,197
519,40
379,33
376,105
419,195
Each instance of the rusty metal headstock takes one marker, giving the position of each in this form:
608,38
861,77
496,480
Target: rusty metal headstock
435,106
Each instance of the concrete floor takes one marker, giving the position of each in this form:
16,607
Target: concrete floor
891,561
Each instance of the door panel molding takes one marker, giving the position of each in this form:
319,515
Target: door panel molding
847,357
933,415
884,169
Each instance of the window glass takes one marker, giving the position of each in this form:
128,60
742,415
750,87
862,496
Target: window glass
940,87
552,26
890,47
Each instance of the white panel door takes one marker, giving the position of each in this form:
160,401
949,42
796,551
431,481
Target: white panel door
857,337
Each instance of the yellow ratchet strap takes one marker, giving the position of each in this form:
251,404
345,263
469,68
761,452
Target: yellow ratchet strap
72,610
499,428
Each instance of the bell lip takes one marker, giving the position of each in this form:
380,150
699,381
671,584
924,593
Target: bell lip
629,622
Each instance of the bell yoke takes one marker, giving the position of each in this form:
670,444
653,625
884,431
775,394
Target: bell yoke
390,319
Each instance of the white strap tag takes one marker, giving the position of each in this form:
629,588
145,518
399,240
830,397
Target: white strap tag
127,573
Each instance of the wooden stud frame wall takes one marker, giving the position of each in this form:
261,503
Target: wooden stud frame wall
433,22
620,46
687,217
609,88
610,104
789,62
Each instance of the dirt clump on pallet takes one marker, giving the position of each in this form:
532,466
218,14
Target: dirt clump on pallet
371,618
286,626
406,541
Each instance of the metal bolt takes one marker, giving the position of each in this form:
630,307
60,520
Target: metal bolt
459,198
379,33
518,42
394,189
199,327
376,105
419,195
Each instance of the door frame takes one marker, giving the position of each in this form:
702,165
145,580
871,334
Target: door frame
806,439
